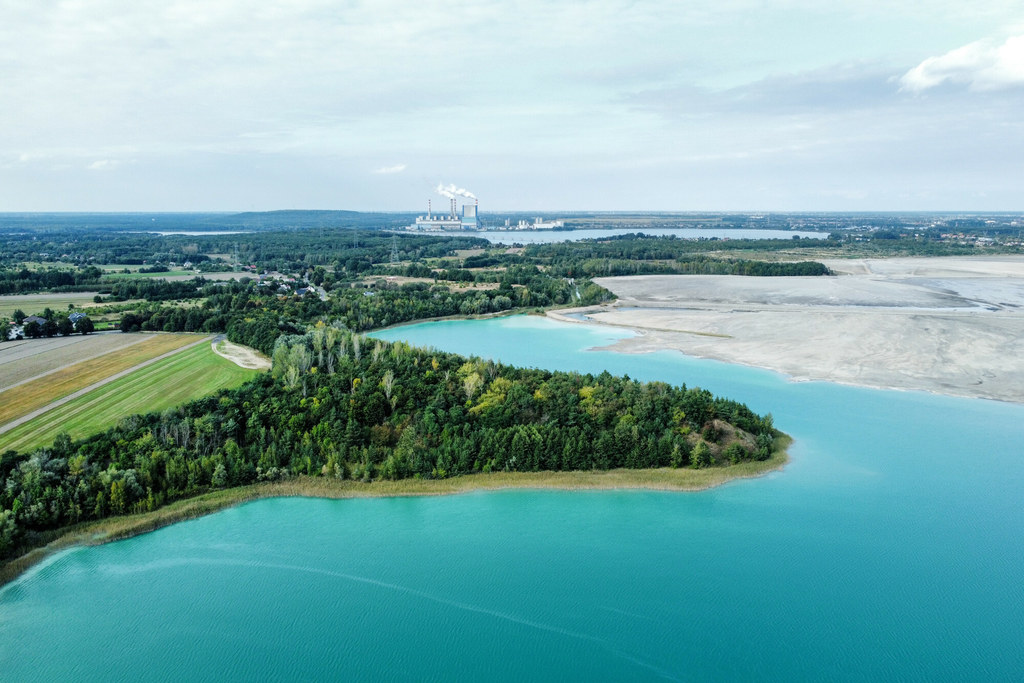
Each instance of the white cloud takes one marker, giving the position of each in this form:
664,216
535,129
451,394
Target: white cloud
385,170
981,65
104,165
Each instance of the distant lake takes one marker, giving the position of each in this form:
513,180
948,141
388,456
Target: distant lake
547,236
888,549
198,233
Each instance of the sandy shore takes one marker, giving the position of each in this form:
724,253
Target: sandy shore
947,325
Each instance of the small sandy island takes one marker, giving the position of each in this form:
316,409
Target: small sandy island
946,325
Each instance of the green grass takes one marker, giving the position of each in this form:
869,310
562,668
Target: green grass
24,399
135,275
32,304
184,376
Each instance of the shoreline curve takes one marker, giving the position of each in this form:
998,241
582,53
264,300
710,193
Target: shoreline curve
682,480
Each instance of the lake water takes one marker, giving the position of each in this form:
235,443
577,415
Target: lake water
198,233
546,236
888,549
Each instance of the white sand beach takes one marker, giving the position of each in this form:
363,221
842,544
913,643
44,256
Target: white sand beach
947,325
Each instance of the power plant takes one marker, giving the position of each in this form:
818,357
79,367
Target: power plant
452,220
469,218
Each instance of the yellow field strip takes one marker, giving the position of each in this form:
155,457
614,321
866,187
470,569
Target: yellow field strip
16,370
26,398
162,382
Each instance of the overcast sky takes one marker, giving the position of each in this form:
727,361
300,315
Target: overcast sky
165,105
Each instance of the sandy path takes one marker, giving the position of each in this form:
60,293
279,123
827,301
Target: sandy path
242,356
952,326
81,392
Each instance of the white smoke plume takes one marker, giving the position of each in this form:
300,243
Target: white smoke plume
451,191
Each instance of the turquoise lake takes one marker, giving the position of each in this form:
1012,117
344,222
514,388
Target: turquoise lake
891,547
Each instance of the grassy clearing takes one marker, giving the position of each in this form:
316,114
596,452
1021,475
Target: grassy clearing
218,276
24,399
65,265
135,275
32,304
182,377
95,533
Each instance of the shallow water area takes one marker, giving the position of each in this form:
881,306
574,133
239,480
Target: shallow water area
888,548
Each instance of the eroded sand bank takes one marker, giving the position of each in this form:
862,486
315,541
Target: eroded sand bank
947,325
242,356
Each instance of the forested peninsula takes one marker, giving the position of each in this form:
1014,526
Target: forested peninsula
341,407
341,414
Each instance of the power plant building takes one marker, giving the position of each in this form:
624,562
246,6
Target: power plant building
451,221
469,218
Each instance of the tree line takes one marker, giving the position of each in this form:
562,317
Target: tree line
346,251
233,307
24,280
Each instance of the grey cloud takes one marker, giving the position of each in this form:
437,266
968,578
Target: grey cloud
838,88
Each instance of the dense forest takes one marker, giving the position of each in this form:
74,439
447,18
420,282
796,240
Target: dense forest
343,250
254,315
344,406
24,280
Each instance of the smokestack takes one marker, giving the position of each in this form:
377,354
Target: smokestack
428,209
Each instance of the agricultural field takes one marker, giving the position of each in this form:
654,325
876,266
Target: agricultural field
55,373
134,275
187,375
32,304
28,358
219,276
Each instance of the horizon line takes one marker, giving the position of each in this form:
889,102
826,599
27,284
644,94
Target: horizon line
230,212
